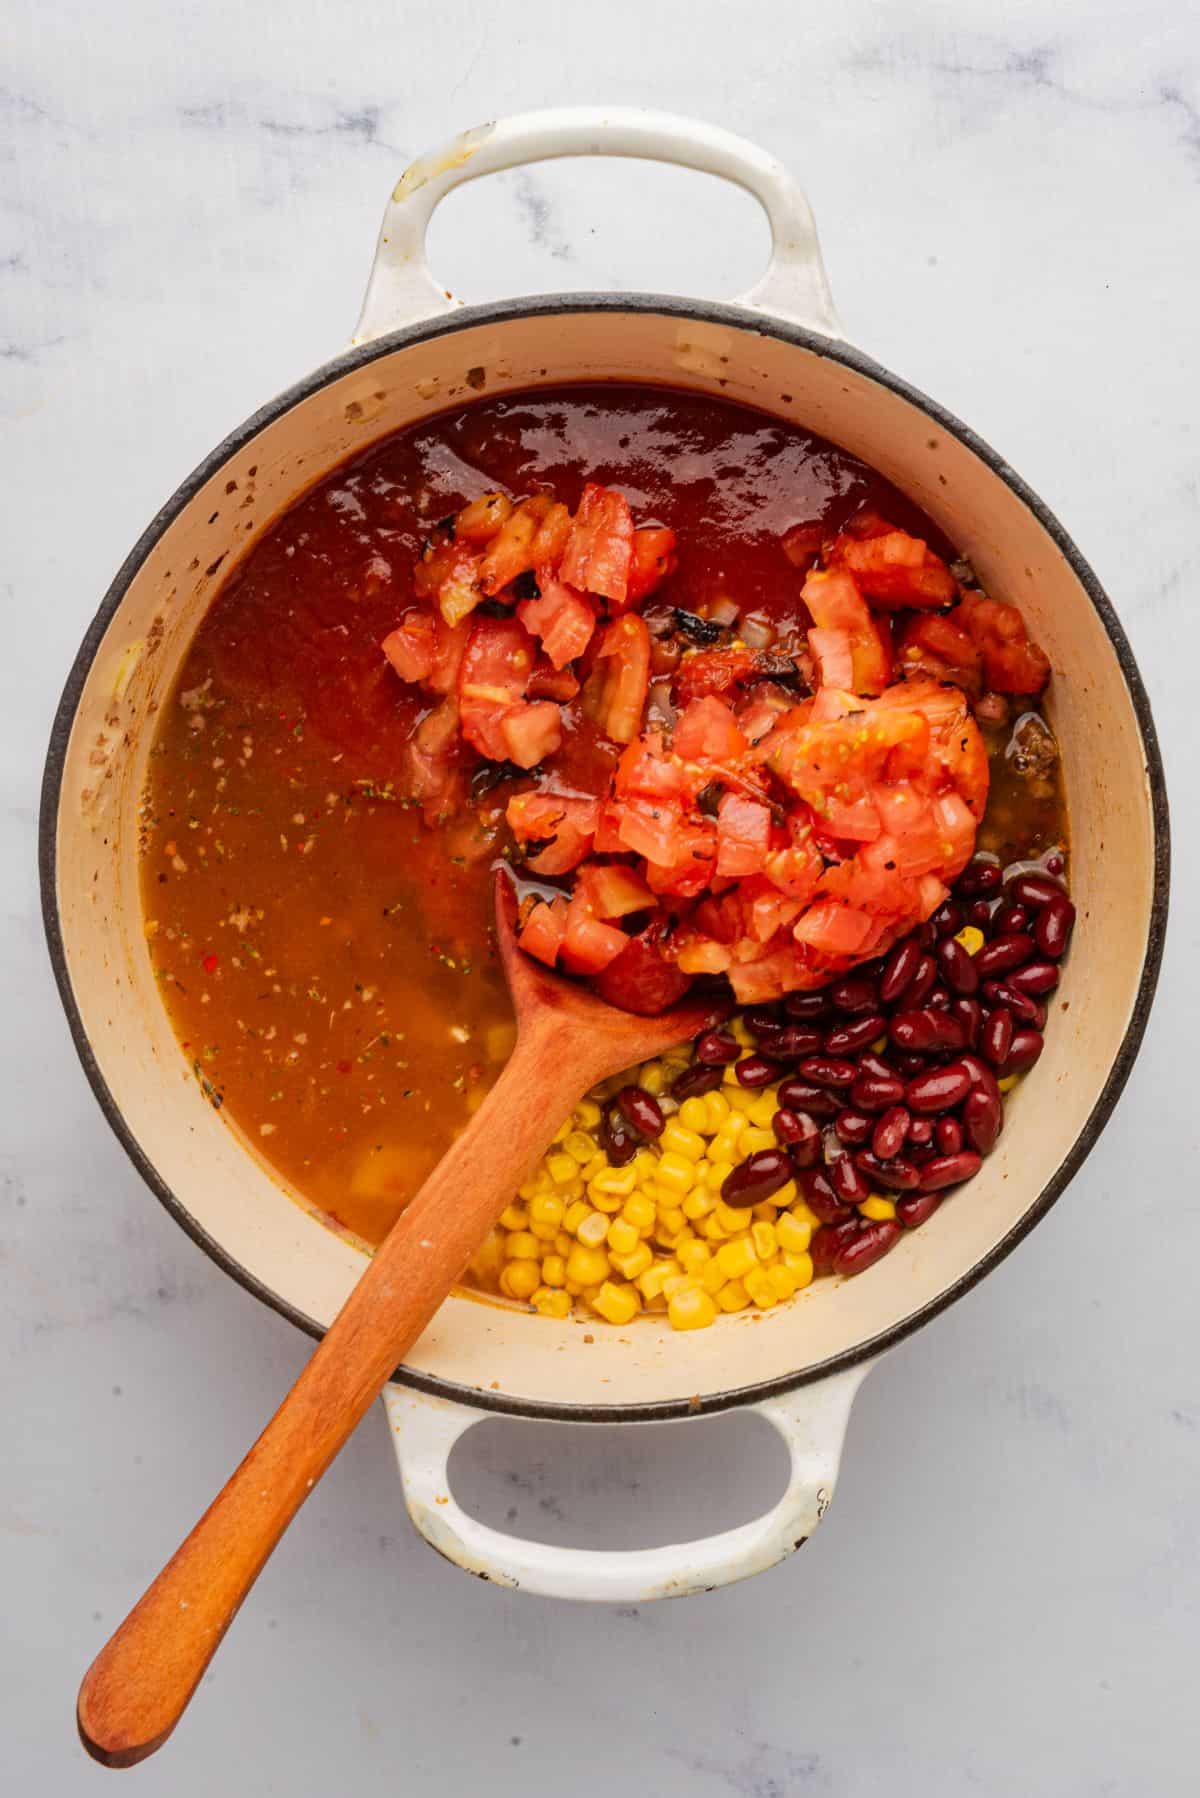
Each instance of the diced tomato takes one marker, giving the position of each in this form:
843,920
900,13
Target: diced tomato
560,616
743,835
692,853
641,979
600,547
479,521
700,955
532,731
496,665
649,770
412,647
1011,662
510,551
855,820
432,773
551,539
589,944
936,646
650,829
615,693
614,890
835,929
761,709
868,521
835,665
802,544
705,671
653,558
896,569
564,824
448,655
549,682
874,888
835,604
544,929
708,731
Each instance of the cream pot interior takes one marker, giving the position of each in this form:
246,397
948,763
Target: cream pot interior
213,1179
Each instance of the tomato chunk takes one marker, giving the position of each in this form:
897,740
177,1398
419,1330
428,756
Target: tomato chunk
708,731
543,931
896,569
495,668
835,664
564,826
615,694
600,547
641,979
743,835
412,647
937,646
653,558
835,604
1011,662
560,616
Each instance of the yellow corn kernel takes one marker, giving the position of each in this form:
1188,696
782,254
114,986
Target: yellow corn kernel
692,1309
732,1218
551,1302
672,1219
762,1235
783,1283
562,1243
761,1291
787,1195
971,939
608,1202
644,1164
679,1282
592,1230
658,1305
522,1245
804,1214
575,1213
573,1288
521,1279
735,1259
741,1100
554,1270
756,1138
716,1173
712,1229
766,1212
710,1277
562,1131
515,1217
634,1264
733,1296
766,1104
676,1140
693,1115
640,1212
698,1204
651,1078
717,1111
619,1304
651,1281
676,1173
800,1267
692,1254
529,1189
1006,1085
562,1168
587,1114
622,1237
547,1208
544,1232
579,1146
877,1208
792,1234
740,1032
597,1165
618,1180
571,1189
586,1266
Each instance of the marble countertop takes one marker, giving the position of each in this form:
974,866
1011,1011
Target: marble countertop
1004,1597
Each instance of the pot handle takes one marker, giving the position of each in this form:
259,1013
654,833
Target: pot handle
811,1421
401,290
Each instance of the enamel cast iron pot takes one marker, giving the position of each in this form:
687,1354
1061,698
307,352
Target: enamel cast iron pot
418,352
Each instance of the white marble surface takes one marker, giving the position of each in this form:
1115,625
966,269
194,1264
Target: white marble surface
1004,1597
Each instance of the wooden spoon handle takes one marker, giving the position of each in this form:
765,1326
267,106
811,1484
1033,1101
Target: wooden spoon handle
138,1686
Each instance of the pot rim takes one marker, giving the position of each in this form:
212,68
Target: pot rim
707,312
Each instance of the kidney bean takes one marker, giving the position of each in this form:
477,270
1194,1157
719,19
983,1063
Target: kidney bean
756,1178
948,1135
716,1048
642,1111
876,1066
920,1132
1034,890
1009,918
1055,922
981,1075
921,983
758,1018
997,1035
927,935
695,1081
820,1197
829,1241
958,968
1035,979
847,1181
983,1119
1054,863
887,1138
916,1210
806,1006
871,1092
969,1013
754,1071
925,1030
1004,953
948,919
619,1141
899,1174
791,1042
802,1095
940,1089
848,1039
980,877
796,1132
998,992
899,969
1038,1020
908,1062
979,913
827,1070
949,1170
1027,1046
869,1246
855,994
853,1127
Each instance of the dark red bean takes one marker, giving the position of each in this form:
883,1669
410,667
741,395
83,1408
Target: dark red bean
980,877
1055,864
716,1048
827,1070
1038,1020
802,1095
847,1181
791,1042
1055,922
947,920
1027,1046
969,1013
925,1030
855,994
887,1138
848,1039
948,1135
642,1111
998,992
997,1035
828,1242
798,1134
983,1119
756,1178
806,1006
899,969
939,1089
981,1075
920,1132
695,1081
979,913
916,1210
754,1071
1004,953
921,983
820,1197
853,1127
1035,979
869,1246
876,1066
898,1173
927,935
619,1141
871,1092
949,1170
1009,918
957,967
1034,890
908,1063
938,1000
758,1018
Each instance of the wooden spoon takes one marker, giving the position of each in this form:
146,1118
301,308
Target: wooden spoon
136,1689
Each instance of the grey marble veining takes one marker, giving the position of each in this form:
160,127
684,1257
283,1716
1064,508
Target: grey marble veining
1004,1596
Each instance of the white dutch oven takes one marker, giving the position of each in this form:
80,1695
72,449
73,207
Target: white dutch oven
416,352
